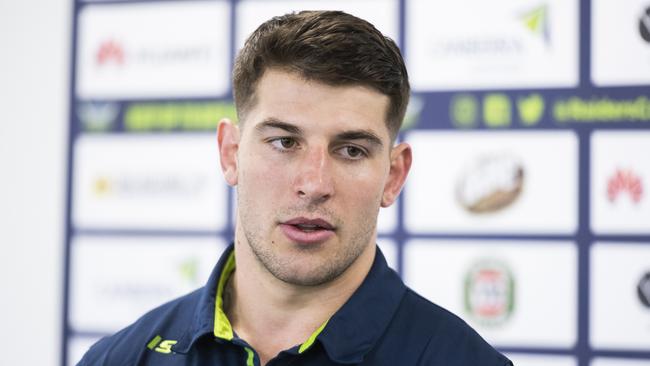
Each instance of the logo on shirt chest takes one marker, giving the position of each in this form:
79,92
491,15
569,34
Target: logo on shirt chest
161,345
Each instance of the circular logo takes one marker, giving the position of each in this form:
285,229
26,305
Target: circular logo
644,25
464,110
489,292
643,290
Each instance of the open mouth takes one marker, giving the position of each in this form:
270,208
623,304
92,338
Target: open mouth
310,224
309,228
303,230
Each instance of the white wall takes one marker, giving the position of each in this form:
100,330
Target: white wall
34,78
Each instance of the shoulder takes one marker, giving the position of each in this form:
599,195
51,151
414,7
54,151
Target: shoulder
126,347
442,337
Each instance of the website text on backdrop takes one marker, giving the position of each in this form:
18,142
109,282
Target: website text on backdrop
320,98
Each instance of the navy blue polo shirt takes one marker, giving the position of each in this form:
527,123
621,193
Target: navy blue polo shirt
383,323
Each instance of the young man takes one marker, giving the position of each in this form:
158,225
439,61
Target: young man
320,98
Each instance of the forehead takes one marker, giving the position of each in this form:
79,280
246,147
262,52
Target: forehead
310,104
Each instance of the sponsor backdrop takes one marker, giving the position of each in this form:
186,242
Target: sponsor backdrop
527,212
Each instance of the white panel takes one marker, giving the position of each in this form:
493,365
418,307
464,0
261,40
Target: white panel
544,290
383,14
115,280
170,182
147,50
619,54
474,44
454,171
387,219
523,359
389,249
620,173
77,347
619,320
606,361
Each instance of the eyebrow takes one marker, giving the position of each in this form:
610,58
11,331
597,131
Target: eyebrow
276,123
367,135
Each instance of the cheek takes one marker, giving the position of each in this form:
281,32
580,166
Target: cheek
364,186
261,174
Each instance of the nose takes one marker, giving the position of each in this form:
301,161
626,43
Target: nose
313,181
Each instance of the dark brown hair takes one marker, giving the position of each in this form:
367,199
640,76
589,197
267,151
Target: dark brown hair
331,47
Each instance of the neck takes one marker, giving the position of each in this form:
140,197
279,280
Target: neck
259,304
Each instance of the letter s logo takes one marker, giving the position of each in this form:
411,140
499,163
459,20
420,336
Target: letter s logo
165,346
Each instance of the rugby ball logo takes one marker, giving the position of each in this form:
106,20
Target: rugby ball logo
490,184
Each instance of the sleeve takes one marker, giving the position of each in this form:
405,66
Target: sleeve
120,349
97,354
461,346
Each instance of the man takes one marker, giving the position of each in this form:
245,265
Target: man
320,98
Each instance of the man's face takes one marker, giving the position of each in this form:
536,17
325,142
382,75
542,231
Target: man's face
312,164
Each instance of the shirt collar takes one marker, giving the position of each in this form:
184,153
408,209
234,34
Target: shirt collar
355,328
203,321
347,336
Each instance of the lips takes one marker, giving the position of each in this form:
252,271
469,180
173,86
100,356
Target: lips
307,231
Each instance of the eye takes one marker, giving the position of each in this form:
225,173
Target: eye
352,152
284,143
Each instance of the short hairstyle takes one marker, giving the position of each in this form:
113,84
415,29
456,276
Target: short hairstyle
331,47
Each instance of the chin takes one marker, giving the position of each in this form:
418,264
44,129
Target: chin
308,279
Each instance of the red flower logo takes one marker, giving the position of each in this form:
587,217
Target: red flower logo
625,181
110,51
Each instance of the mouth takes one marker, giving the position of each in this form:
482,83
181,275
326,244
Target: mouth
307,231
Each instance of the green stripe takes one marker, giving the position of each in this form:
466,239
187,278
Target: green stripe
312,338
250,360
154,342
222,327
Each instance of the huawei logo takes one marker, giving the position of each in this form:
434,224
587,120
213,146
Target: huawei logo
644,25
110,51
624,181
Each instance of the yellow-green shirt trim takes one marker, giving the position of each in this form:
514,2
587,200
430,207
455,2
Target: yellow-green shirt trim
222,327
250,358
312,338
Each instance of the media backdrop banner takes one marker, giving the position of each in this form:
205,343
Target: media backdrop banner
527,211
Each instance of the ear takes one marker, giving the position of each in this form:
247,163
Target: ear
400,164
228,139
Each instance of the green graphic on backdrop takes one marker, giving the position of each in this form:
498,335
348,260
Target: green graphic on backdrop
97,116
497,110
531,109
536,20
186,116
601,110
463,110
188,270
